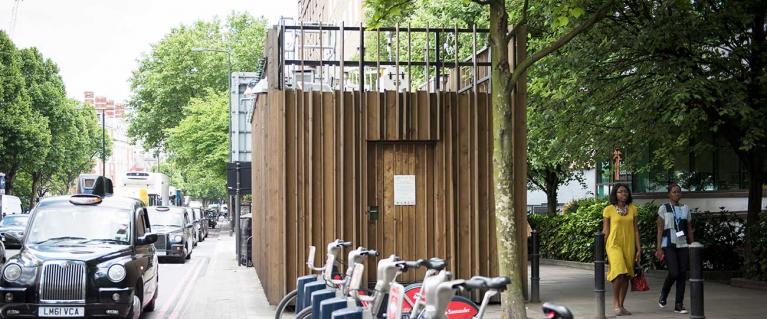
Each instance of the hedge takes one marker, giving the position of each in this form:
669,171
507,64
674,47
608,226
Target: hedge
571,236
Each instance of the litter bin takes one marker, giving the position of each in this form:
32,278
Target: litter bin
246,240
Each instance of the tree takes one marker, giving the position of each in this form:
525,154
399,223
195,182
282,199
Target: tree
556,17
46,91
199,146
171,74
659,74
24,135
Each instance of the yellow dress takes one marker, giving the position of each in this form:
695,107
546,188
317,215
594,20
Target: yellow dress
620,246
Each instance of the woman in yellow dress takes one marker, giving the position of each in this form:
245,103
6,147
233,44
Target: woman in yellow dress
619,224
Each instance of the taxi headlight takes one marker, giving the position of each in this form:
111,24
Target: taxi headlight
12,272
116,273
178,238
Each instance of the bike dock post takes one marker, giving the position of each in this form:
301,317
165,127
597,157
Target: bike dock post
535,278
696,281
599,273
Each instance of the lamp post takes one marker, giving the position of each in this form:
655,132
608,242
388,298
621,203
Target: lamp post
103,144
234,210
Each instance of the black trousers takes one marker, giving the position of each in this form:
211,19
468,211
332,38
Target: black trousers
678,262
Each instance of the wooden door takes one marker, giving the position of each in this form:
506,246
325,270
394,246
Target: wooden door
407,231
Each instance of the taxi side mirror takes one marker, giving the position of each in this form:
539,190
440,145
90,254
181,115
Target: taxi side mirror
147,239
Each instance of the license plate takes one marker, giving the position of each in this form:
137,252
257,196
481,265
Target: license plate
61,311
161,253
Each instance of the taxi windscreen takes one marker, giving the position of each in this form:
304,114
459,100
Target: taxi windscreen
166,219
14,220
80,224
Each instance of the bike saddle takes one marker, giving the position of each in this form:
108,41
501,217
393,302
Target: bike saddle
474,283
405,265
553,311
497,283
434,263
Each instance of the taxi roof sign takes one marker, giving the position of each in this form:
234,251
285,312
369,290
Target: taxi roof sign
162,208
85,199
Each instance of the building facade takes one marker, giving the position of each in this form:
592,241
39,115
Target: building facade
125,156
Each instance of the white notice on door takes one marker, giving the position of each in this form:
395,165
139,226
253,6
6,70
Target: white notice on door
404,190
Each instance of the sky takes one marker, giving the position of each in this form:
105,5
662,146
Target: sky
96,42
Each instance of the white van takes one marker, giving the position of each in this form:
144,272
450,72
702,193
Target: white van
9,205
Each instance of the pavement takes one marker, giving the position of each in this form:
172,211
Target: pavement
225,290
229,291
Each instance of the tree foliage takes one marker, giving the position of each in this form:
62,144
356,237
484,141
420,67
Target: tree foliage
46,139
200,147
175,107
24,136
172,74
662,76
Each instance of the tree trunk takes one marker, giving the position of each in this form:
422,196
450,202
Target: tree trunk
552,185
551,192
10,177
512,301
756,173
35,185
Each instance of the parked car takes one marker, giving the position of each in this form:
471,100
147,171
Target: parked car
83,255
201,221
174,232
12,229
195,226
212,218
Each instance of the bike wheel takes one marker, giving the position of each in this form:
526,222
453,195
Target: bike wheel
306,313
290,297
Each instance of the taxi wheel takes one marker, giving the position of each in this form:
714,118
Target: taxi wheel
135,310
150,306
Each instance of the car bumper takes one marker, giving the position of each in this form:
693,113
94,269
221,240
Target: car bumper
176,250
91,310
106,308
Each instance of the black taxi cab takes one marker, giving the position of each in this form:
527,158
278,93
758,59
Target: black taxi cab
174,229
83,256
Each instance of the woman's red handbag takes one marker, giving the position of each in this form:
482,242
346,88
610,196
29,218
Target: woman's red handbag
639,282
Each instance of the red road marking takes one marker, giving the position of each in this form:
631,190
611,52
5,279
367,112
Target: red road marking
186,294
185,280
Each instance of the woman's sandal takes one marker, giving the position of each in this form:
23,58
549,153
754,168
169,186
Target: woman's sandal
625,312
618,311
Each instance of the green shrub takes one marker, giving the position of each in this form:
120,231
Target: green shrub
757,269
722,236
571,237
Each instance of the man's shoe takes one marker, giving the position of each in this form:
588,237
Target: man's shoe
680,309
662,302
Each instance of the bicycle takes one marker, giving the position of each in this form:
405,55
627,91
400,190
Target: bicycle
339,288
333,249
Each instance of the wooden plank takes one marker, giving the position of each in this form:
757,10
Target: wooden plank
349,165
291,189
389,212
372,113
482,186
464,187
329,167
391,115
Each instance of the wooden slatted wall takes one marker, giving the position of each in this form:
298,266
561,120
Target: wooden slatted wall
327,157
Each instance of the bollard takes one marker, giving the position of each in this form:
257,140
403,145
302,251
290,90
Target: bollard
599,273
696,281
535,277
